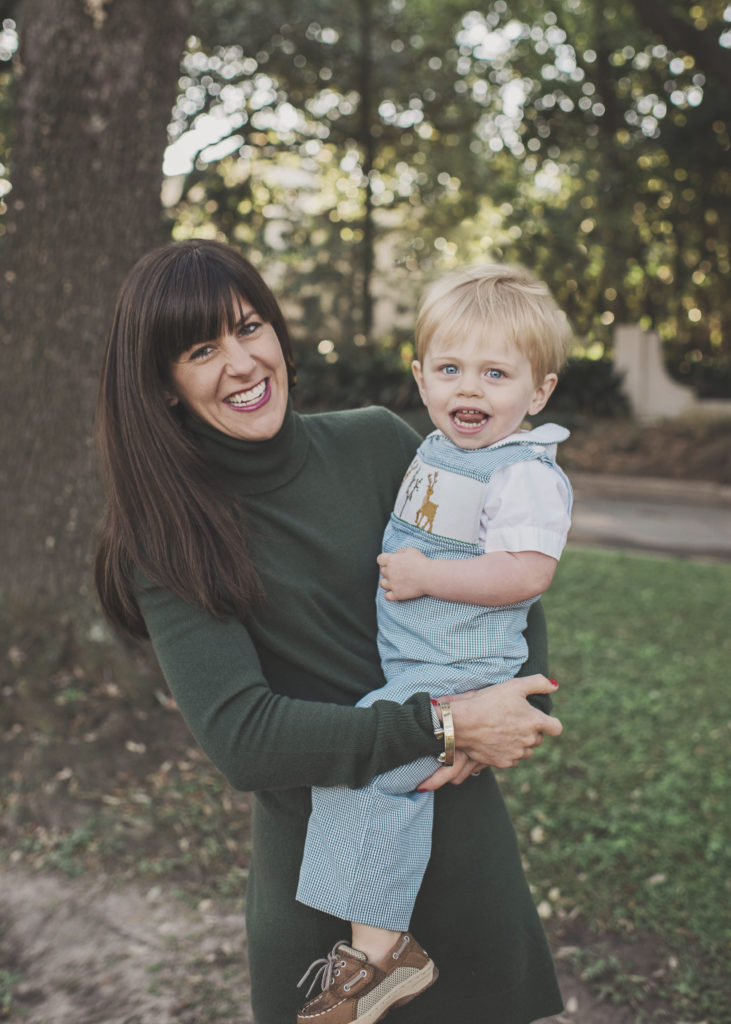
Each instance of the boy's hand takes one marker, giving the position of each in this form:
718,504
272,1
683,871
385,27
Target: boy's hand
403,574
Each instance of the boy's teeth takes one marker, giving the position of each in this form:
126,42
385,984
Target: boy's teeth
246,397
468,417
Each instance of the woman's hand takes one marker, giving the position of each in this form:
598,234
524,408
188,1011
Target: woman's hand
402,574
455,773
496,727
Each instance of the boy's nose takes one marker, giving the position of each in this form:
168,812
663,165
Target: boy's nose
470,385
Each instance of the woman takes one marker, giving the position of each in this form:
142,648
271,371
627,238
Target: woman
242,538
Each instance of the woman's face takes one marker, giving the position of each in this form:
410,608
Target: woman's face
238,382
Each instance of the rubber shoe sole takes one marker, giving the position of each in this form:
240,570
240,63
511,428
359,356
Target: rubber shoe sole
409,989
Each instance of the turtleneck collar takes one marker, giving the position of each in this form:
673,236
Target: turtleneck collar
252,467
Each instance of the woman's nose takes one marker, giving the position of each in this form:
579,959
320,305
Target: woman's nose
239,357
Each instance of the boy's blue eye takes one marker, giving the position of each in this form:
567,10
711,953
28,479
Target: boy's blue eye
449,369
495,374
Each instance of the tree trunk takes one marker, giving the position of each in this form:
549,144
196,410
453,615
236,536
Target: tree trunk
95,84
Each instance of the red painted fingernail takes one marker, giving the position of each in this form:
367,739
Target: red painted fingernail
421,791
435,702
553,682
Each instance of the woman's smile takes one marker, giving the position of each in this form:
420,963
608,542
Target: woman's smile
252,399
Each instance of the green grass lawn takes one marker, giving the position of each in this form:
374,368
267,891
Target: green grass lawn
625,819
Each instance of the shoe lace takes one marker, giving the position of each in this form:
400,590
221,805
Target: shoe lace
327,966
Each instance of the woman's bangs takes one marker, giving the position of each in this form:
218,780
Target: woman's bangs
202,305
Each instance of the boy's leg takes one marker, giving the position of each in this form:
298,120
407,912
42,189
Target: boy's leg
367,849
374,942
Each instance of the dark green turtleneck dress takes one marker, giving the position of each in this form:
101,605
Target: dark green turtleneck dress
270,703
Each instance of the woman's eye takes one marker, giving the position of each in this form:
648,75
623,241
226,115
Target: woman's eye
248,328
200,352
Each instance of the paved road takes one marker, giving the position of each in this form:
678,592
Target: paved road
689,520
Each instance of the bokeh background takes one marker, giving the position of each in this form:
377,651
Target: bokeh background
353,150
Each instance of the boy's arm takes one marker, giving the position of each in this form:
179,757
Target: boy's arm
496,578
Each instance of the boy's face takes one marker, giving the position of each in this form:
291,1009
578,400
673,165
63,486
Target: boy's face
479,389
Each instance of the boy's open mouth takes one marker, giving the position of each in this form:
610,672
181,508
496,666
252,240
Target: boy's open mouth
469,417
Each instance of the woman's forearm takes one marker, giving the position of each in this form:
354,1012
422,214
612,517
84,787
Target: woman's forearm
261,740
257,738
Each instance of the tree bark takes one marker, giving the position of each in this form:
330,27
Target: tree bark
95,84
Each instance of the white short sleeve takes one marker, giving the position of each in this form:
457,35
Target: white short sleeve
528,508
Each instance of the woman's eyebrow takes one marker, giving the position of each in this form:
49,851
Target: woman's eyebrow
245,315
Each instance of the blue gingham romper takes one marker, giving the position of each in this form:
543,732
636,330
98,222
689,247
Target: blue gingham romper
367,849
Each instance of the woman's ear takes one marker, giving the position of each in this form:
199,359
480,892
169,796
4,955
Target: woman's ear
542,393
170,398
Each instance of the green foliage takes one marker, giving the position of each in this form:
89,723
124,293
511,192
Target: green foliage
622,820
364,376
620,185
345,126
382,376
372,143
364,145
591,387
710,377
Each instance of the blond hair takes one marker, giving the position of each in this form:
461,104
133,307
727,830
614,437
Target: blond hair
507,297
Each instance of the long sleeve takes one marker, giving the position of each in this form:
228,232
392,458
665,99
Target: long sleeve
260,739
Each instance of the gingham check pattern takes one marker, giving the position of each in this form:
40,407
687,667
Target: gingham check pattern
367,849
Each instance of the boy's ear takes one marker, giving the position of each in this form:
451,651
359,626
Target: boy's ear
543,392
419,378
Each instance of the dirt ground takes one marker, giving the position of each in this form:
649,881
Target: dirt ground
89,952
103,920
105,948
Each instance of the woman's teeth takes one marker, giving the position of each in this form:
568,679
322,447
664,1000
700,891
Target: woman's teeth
247,397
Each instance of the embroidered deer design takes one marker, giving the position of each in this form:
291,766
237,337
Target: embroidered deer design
410,486
428,509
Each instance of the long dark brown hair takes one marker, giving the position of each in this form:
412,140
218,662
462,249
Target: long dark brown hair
163,514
